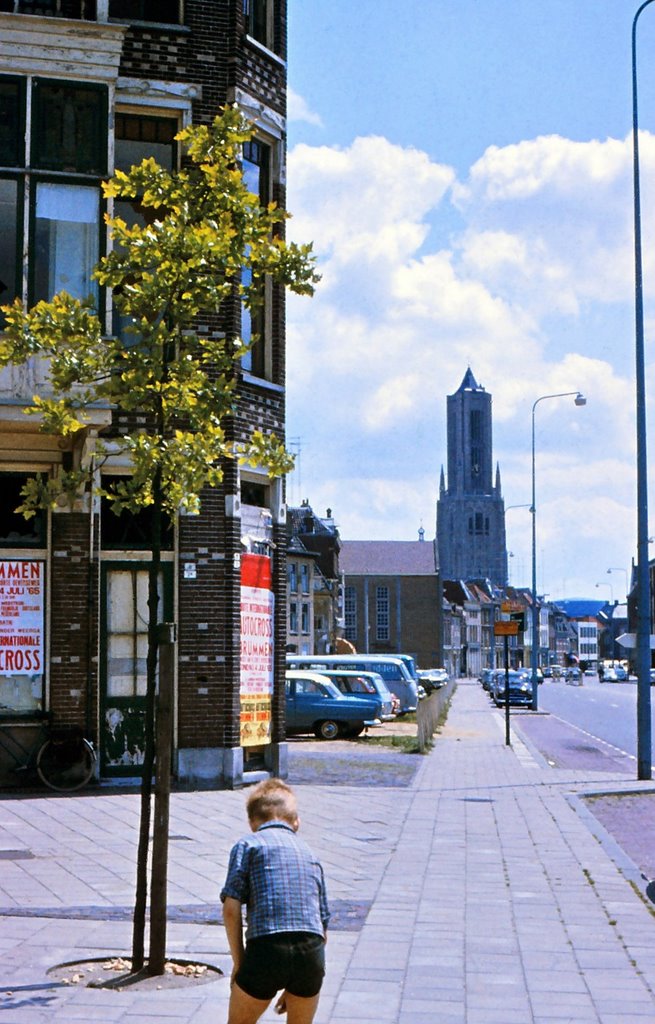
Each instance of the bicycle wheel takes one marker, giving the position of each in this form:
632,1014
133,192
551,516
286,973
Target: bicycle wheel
65,765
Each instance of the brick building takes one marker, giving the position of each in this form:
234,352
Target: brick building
393,599
87,86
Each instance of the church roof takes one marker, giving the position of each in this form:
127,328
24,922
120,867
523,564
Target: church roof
388,558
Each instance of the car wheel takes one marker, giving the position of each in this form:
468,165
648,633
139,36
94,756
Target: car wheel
327,730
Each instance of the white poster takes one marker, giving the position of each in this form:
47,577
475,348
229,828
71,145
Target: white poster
21,618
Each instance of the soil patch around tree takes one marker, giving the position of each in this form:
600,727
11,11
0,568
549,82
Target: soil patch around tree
116,973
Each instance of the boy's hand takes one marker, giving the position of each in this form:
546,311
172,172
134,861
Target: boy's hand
281,1005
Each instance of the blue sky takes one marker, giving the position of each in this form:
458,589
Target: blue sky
464,170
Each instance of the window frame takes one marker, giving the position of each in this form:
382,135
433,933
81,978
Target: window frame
48,179
19,228
38,82
266,37
21,82
382,613
350,612
257,362
293,617
30,177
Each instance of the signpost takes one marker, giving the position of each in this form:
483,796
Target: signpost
506,629
629,640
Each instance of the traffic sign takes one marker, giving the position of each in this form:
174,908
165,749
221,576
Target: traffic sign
512,606
629,640
506,628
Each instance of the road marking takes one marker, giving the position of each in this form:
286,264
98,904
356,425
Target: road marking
598,739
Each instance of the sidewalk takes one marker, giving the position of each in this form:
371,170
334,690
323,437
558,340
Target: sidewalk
477,896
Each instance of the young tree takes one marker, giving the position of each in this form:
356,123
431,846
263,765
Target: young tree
204,233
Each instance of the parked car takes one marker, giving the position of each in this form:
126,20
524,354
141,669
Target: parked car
520,688
363,684
485,678
315,704
432,678
526,672
652,677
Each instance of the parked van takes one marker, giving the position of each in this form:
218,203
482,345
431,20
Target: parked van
393,670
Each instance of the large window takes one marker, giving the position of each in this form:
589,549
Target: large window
254,326
56,156
129,530
15,530
9,207
66,240
382,613
69,130
260,16
350,613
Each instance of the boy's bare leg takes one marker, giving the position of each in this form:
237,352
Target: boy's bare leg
245,1009
300,1010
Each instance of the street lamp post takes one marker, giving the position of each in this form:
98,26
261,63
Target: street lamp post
534,653
625,573
644,767
602,584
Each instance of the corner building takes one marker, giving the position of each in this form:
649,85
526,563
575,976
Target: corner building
87,86
470,510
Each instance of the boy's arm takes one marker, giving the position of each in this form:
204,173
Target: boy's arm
233,921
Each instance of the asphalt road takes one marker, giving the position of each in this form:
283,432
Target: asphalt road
603,711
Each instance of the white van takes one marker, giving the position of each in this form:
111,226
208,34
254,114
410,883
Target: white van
393,670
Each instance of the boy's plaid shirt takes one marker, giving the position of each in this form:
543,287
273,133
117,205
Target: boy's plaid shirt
279,879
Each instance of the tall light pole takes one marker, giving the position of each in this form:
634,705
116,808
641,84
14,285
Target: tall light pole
534,653
644,768
625,573
601,584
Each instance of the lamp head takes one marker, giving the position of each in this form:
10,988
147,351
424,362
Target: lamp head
580,399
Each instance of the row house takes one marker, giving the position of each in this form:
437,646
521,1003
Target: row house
88,86
314,583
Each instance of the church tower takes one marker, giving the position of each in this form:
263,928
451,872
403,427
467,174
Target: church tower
470,510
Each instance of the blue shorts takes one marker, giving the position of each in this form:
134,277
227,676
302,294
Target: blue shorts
294,961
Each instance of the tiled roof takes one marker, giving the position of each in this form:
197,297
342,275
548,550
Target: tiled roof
388,558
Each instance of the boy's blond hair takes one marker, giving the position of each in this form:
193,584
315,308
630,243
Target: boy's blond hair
272,799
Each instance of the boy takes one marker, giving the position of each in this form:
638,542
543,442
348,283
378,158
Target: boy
281,882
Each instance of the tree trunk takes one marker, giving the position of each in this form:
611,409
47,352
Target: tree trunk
163,751
141,896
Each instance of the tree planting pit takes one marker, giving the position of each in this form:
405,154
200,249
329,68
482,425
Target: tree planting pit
115,972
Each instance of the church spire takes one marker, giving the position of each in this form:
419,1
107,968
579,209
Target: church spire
497,488
469,382
442,484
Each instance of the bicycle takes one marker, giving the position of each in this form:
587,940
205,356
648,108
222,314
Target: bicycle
61,756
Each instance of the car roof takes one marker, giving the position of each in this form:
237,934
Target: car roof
300,673
350,658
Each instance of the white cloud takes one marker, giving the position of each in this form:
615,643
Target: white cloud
297,109
531,285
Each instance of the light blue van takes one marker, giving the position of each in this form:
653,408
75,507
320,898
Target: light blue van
394,671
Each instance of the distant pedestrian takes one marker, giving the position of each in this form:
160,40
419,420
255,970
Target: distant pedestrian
277,877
